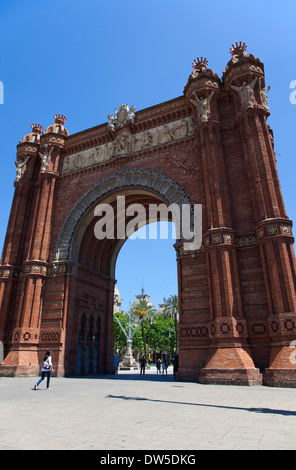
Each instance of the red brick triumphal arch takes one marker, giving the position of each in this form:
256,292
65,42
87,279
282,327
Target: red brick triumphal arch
211,146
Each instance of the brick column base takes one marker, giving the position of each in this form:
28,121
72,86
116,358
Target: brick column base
19,371
280,378
230,377
230,366
20,361
282,369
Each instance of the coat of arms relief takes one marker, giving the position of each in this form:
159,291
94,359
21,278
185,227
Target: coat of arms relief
122,116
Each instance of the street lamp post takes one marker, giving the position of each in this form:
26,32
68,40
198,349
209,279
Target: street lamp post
128,361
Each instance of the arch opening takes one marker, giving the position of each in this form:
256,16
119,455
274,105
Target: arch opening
91,287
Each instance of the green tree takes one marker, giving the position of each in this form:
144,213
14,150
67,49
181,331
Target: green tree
143,311
171,310
160,334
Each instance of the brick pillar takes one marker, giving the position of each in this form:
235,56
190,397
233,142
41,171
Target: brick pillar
25,335
229,359
272,225
32,219
274,234
108,353
278,260
11,269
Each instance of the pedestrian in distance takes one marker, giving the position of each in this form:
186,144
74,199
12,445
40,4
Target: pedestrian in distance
115,365
46,370
176,364
158,366
164,366
142,365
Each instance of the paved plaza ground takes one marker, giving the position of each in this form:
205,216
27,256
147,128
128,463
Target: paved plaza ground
148,412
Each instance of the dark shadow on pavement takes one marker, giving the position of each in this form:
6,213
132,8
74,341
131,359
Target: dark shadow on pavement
129,376
254,410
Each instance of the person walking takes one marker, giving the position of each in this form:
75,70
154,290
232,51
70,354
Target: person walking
164,366
142,365
115,365
176,364
46,370
158,366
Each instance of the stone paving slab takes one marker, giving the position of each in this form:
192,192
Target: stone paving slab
136,412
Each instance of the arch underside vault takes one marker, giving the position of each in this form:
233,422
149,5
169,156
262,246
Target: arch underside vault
125,181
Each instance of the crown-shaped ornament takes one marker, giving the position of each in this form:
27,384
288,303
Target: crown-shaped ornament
60,119
37,128
200,64
238,49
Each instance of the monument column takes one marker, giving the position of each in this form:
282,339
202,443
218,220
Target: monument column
229,358
245,79
22,357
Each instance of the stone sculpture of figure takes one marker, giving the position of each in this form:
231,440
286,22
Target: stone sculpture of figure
45,158
263,96
121,144
146,140
180,129
246,93
168,133
20,168
131,113
112,118
203,106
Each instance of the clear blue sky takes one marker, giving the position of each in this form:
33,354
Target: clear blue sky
83,59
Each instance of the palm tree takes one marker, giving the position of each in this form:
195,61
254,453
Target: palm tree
171,309
142,309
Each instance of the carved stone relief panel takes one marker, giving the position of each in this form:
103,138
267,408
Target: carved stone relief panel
126,143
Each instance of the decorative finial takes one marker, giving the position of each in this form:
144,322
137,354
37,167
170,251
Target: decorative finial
238,48
37,128
60,119
200,63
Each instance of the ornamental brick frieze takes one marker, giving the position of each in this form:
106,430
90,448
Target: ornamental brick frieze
274,228
126,143
34,268
25,335
218,238
195,331
282,325
44,269
61,268
92,303
258,328
241,71
10,272
228,327
233,239
50,336
246,240
185,161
